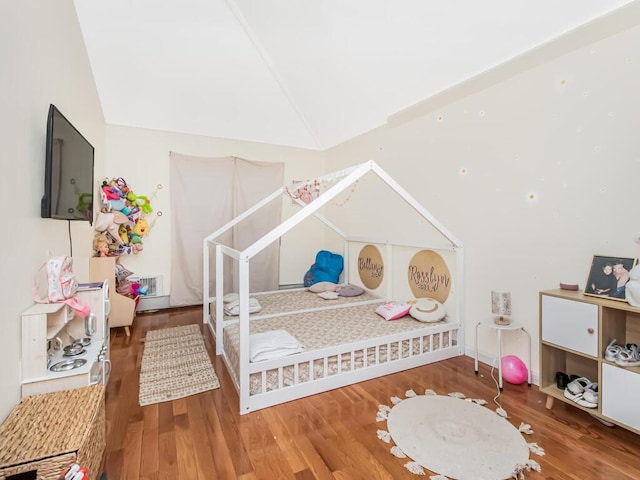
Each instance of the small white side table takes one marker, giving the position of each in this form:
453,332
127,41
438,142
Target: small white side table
489,323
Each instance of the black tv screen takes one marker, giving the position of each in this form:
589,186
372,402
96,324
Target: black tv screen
68,171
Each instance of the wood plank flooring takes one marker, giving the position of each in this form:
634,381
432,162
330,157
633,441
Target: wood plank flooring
331,436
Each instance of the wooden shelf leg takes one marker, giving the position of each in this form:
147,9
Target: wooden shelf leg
126,331
549,403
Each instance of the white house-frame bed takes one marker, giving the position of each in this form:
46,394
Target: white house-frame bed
373,349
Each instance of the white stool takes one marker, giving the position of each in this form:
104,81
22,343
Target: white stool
488,322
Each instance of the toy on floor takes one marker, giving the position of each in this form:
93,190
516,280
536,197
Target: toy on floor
75,472
514,370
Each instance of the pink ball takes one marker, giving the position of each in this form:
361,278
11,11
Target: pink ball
514,370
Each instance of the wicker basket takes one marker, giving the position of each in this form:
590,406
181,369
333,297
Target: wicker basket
48,433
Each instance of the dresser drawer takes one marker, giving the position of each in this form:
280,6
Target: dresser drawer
619,392
570,324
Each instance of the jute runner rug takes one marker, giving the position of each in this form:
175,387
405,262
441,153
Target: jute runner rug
175,364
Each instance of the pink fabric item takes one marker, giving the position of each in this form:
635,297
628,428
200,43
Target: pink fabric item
393,310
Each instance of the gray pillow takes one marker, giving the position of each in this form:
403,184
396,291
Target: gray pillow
350,291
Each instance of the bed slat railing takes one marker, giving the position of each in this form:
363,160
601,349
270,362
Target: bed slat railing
360,358
304,357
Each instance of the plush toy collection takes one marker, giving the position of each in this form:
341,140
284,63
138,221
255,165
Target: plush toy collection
121,218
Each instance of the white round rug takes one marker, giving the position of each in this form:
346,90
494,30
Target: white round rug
457,438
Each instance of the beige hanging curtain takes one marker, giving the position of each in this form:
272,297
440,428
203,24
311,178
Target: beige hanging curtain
206,193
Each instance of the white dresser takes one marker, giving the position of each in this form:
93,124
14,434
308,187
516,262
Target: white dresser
575,330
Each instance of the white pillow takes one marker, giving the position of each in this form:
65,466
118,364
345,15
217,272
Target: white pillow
427,310
230,297
272,344
393,310
324,287
328,295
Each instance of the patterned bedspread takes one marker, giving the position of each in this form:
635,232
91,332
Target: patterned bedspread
328,328
294,300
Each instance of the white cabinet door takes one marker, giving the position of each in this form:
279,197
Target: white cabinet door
95,299
570,324
619,392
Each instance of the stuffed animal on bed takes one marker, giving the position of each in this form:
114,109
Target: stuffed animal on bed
327,268
427,310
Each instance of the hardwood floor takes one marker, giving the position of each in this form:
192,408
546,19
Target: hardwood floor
326,436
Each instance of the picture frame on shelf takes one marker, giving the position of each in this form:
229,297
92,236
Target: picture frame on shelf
608,277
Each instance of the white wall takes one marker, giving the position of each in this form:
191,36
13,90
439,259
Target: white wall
43,61
566,132
141,156
47,63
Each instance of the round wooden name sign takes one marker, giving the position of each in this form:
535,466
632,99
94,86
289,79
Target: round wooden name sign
370,267
429,276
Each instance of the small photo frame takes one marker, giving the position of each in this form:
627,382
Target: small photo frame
608,277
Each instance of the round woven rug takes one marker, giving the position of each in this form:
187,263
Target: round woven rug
457,438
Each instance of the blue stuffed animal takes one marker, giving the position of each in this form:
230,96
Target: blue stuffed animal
327,268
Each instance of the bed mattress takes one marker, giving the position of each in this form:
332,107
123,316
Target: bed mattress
276,303
329,328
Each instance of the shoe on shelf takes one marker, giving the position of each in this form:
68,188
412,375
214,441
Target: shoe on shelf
589,397
578,385
574,397
562,380
612,351
629,356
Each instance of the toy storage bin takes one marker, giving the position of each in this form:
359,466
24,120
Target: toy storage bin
45,434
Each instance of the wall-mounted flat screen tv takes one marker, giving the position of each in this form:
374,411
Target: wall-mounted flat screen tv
68,171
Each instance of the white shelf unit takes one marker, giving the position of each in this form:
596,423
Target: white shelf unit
575,330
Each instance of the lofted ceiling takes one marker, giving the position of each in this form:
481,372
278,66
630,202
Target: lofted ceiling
308,74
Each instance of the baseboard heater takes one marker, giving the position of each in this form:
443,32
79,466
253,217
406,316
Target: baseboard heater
157,302
154,298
